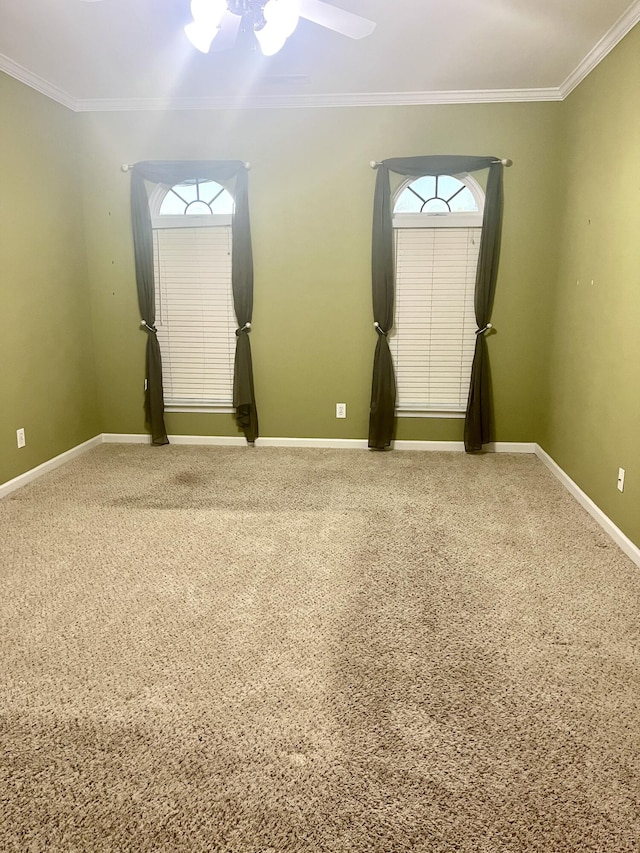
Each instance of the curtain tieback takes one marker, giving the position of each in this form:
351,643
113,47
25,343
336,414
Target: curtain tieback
246,328
486,329
145,325
379,330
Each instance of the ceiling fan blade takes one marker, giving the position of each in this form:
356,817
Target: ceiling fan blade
228,32
338,20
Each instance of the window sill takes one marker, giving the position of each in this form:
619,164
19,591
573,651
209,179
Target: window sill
200,410
422,413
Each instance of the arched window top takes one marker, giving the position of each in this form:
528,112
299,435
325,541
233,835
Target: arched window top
440,194
194,197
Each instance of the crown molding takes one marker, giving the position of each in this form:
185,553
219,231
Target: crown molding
23,75
357,99
618,31
350,99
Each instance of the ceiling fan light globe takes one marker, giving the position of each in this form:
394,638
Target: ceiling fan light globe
284,14
271,39
200,36
208,12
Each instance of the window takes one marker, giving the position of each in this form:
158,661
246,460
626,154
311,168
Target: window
437,227
195,316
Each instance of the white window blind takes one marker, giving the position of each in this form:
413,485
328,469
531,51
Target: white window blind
194,315
434,337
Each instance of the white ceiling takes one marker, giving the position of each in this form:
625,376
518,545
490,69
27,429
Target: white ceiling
132,54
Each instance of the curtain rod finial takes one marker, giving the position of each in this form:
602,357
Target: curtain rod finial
506,162
247,166
374,164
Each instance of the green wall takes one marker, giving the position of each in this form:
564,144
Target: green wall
311,192
47,378
592,424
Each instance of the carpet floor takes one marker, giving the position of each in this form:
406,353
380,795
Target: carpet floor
230,650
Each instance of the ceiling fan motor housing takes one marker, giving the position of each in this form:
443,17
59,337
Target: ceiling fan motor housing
251,10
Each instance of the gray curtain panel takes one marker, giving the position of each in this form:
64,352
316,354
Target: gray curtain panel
383,386
173,172
477,428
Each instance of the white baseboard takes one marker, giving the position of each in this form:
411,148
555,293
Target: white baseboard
511,447
438,446
336,443
49,465
126,438
458,446
233,441
630,549
204,440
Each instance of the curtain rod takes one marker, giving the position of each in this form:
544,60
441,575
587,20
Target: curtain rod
505,162
127,167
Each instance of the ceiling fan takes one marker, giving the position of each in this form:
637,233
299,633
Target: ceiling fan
216,23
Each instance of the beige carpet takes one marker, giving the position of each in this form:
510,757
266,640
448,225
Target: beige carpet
263,651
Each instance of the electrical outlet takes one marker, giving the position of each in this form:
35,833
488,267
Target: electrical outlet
341,410
20,437
621,479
